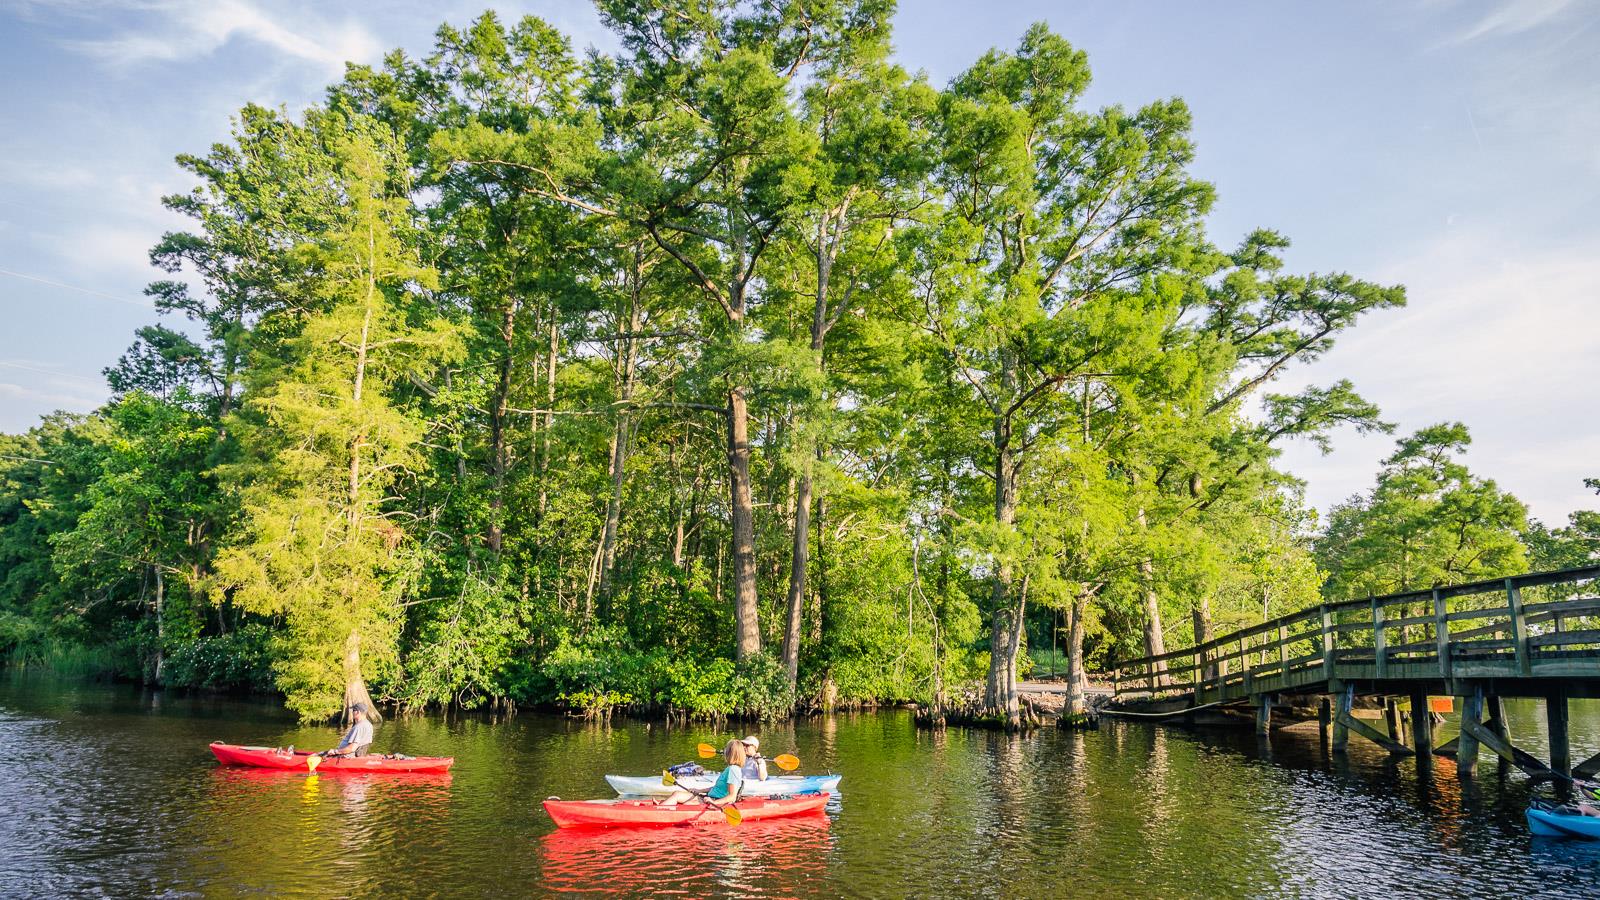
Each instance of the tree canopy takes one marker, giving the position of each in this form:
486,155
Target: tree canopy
736,371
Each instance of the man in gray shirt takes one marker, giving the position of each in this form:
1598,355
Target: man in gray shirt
358,738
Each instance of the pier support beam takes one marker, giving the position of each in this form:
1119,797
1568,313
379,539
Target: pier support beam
1467,743
1264,715
1391,718
1341,716
1556,715
1344,721
1588,768
1325,720
1421,724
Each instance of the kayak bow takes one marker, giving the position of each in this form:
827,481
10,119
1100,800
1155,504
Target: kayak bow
270,758
651,786
1547,819
614,813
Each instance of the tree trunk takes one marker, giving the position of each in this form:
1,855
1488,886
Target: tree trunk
802,504
549,411
497,430
621,441
1202,629
1000,689
1154,643
799,558
355,687
161,625
1077,683
747,631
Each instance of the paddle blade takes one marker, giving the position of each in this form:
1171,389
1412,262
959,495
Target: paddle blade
706,751
312,762
668,779
733,816
787,761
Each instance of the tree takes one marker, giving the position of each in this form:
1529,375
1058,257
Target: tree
1427,521
145,516
1059,256
325,443
1576,544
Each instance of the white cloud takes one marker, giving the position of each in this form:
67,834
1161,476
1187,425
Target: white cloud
71,402
187,29
1495,335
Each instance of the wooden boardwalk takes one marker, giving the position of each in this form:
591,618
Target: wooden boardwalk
1535,635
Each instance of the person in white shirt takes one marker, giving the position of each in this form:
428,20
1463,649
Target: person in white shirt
358,738
755,765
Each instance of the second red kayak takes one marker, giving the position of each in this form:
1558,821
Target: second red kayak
612,813
270,758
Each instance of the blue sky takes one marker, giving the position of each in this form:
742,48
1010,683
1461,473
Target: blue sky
1448,145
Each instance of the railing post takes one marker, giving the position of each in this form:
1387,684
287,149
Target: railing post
1283,653
1441,633
1244,666
1327,643
1519,627
1380,641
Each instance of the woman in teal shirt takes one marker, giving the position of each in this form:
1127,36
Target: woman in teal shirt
725,790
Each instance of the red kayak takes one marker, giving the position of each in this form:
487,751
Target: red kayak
271,758
611,813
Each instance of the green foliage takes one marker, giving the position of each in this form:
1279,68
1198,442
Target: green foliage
242,659
1427,521
598,672
455,409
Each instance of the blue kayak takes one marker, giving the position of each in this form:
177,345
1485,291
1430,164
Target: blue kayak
651,786
1548,819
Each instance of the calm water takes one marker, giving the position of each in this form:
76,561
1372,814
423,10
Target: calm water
108,790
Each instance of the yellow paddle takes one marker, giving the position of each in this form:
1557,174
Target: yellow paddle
313,761
786,761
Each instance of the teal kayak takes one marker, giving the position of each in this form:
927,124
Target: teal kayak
1549,819
651,786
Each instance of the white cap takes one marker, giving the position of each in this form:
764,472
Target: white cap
753,742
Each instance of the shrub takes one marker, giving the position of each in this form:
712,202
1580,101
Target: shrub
600,671
241,659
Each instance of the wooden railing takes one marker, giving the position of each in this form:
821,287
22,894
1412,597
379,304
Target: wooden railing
1542,625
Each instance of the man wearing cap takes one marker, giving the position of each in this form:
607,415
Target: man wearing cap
755,765
358,738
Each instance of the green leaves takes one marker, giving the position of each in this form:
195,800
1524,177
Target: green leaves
467,343
1427,521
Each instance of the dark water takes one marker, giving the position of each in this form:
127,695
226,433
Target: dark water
107,790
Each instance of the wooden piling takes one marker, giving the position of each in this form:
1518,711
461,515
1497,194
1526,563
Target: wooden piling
1391,718
1341,731
1421,723
1497,717
1467,744
1264,715
1556,715
1325,720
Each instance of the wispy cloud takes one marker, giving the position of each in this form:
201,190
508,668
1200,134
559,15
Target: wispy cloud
188,29
1512,17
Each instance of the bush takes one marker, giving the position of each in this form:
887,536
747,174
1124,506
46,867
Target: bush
599,671
17,631
241,659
